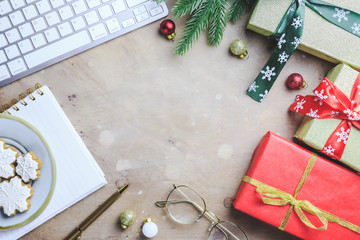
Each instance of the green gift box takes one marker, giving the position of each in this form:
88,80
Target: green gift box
320,37
315,132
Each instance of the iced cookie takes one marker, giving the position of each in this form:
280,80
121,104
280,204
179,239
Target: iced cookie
15,196
8,156
28,167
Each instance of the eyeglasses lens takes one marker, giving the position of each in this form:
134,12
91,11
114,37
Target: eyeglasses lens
226,231
185,205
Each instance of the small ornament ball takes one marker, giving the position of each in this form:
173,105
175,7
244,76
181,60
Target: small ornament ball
167,27
149,228
238,47
127,218
295,81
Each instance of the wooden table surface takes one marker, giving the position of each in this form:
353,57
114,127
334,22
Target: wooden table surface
151,118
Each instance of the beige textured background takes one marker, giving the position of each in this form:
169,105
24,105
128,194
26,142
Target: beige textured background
152,119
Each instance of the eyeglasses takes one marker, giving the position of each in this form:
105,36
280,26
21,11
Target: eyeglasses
184,205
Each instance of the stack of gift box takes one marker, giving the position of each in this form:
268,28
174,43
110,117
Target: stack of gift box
312,193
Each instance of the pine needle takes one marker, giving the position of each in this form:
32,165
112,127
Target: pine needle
193,28
237,9
183,7
217,23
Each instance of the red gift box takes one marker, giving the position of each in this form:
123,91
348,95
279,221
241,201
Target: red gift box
285,182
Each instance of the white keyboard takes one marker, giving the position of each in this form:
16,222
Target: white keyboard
37,33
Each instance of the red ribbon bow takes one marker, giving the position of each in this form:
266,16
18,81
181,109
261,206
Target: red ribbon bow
331,102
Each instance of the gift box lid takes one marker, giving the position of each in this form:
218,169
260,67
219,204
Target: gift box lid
320,37
280,163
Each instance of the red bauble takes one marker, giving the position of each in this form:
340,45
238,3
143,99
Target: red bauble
167,27
295,81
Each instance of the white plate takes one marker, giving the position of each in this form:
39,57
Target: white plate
26,138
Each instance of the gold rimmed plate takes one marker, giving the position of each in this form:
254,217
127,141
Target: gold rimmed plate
26,138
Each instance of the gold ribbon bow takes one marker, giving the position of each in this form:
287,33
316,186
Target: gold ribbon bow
274,196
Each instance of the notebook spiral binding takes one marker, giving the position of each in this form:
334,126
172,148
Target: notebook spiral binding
5,107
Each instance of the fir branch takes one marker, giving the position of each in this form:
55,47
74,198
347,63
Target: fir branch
183,7
237,9
194,27
217,23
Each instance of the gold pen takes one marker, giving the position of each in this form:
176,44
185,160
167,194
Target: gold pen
76,233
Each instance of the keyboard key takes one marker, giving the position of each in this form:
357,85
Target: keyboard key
38,40
26,30
132,3
93,3
78,23
57,49
39,24
79,6
17,3
113,25
43,6
65,29
128,22
25,46
105,12
139,10
156,11
5,7
57,3
4,24
142,17
65,13
17,66
30,1
91,17
4,73
52,18
3,41
2,56
51,35
118,6
30,12
12,51
12,35
16,18
98,31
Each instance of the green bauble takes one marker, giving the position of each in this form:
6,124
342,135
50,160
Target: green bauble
127,218
238,47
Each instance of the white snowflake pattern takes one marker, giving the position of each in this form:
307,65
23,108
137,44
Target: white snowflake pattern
329,150
283,57
299,105
297,22
352,116
13,196
341,14
343,135
334,114
7,158
263,95
324,81
253,87
356,28
268,73
296,41
281,41
320,96
291,9
313,113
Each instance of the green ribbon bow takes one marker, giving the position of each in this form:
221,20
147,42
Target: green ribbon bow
289,32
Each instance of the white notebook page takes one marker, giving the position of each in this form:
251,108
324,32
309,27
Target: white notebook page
77,172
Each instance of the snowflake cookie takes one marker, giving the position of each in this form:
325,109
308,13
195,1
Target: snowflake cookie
28,167
8,156
15,196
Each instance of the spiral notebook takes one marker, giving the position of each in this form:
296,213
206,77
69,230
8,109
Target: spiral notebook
77,172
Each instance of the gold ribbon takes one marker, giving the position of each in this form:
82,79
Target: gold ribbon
274,196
